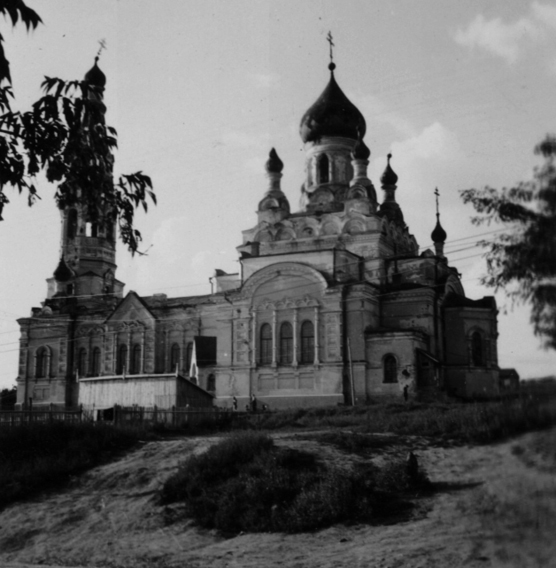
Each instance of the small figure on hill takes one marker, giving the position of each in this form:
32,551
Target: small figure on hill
234,404
412,467
265,407
406,393
253,403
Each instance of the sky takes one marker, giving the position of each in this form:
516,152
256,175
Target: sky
201,90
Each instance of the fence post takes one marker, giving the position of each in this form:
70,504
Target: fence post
173,414
155,417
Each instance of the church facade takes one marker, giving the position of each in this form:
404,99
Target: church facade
333,303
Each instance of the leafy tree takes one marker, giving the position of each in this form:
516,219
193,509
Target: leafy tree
8,398
522,260
66,137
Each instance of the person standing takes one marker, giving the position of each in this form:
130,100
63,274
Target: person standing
406,393
253,403
234,404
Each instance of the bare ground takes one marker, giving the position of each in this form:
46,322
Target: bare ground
495,506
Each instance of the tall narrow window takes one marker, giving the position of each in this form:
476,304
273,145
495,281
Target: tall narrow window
188,357
72,224
265,352
174,357
307,342
121,362
135,360
211,382
82,362
286,343
43,360
477,351
109,231
390,369
322,169
95,363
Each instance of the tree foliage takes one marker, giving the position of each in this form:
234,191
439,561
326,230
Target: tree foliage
522,260
65,136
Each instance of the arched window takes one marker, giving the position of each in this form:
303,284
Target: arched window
307,342
43,362
72,224
323,169
286,343
390,369
135,360
82,362
477,350
265,352
188,356
95,366
211,382
121,362
174,357
109,231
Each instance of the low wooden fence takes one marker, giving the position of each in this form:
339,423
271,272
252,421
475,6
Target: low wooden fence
10,418
171,417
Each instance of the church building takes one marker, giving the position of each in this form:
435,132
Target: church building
333,304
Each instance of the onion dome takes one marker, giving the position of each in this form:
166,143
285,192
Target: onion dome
274,164
360,151
439,234
389,177
63,272
95,76
332,114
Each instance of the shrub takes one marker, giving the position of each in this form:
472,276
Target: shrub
244,483
37,456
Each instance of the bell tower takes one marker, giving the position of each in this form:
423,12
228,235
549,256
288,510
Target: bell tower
87,266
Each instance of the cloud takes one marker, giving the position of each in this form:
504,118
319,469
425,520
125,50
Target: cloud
435,142
497,37
546,13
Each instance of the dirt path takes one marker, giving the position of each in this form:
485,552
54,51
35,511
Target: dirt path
497,507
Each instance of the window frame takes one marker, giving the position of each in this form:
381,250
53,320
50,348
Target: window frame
82,362
265,344
175,356
285,351
477,351
95,362
121,359
307,343
135,359
390,369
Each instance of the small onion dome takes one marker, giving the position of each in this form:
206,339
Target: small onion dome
274,164
389,176
333,114
439,234
63,272
95,76
360,151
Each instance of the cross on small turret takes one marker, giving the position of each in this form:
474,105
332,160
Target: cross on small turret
329,40
437,194
102,43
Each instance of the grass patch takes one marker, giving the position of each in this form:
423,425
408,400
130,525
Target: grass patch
480,422
34,457
245,483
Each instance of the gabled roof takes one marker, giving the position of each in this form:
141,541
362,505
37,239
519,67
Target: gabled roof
131,300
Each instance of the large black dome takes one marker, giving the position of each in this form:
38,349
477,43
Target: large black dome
332,114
